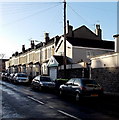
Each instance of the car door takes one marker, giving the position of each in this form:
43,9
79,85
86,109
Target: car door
75,86
36,81
68,86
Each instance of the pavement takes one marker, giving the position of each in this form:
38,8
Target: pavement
114,94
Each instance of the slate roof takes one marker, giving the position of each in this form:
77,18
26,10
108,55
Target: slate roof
52,40
60,59
116,35
39,45
89,34
91,43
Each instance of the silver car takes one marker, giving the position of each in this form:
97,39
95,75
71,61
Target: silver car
11,76
43,82
20,78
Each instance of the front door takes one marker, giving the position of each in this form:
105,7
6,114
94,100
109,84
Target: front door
53,72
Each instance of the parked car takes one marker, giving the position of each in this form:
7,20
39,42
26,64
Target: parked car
7,76
81,87
43,82
59,82
10,78
20,78
3,75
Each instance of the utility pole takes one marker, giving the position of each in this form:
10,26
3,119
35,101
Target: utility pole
65,61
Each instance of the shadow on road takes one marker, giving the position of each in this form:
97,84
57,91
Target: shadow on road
108,104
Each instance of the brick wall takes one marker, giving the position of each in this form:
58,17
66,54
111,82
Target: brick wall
107,77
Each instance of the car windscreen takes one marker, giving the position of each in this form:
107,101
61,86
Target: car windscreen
21,75
47,79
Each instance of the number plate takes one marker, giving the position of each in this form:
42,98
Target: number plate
94,94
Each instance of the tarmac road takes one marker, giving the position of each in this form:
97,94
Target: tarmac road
21,102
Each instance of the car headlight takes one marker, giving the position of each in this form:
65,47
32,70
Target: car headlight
41,83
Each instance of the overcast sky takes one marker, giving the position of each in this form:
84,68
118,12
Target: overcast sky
21,21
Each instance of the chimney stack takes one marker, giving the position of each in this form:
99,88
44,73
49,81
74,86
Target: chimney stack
32,44
69,30
46,37
116,43
98,31
23,48
16,53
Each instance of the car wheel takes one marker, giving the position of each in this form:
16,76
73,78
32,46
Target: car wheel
32,86
40,88
101,96
15,82
77,97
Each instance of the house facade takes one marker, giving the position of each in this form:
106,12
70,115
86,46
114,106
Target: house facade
34,59
80,49
81,44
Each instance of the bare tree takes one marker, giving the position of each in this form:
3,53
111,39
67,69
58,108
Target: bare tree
2,55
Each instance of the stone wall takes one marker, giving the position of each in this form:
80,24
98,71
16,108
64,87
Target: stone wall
108,78
73,73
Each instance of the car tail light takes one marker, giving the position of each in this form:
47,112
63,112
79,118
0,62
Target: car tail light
101,89
82,88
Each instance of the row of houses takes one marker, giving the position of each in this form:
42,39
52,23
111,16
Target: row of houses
83,47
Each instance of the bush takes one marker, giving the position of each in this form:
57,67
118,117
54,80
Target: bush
60,81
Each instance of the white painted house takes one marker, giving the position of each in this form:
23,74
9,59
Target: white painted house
105,69
81,44
107,60
80,49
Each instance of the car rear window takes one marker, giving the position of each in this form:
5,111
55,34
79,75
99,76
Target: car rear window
45,79
89,82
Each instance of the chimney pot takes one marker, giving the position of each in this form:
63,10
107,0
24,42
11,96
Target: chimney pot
23,48
116,43
32,44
